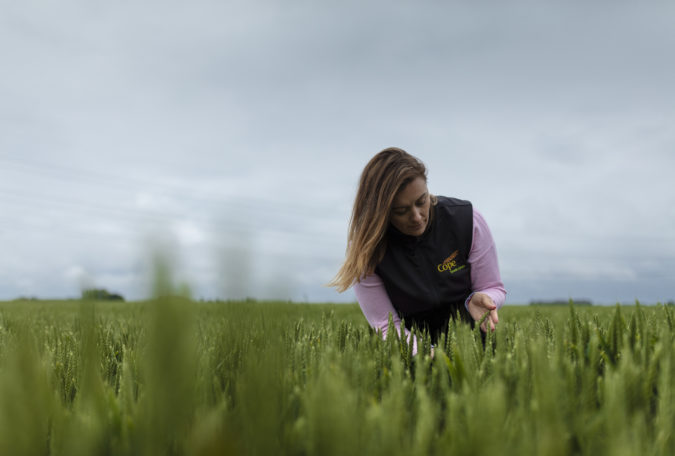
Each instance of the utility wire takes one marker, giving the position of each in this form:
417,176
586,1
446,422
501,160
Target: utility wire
248,213
182,192
69,209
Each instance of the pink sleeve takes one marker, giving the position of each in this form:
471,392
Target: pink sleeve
485,277
376,306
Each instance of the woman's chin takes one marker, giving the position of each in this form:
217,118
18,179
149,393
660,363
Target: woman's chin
416,230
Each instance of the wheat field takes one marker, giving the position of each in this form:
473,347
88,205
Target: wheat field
178,377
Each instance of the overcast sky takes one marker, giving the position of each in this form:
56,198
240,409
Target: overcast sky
232,134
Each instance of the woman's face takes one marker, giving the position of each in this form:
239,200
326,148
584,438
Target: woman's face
410,211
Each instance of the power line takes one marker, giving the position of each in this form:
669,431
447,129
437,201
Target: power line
253,216
117,182
68,209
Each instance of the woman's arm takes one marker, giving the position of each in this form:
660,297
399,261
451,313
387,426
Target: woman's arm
376,306
487,290
485,277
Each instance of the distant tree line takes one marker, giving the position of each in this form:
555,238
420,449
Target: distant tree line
100,294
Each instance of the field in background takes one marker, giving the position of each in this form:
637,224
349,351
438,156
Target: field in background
171,376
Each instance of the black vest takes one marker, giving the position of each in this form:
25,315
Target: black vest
428,278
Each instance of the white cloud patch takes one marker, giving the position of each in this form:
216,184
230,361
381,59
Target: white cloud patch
188,233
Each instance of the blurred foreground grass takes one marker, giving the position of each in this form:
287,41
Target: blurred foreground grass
177,377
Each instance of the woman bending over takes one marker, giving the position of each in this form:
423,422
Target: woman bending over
420,257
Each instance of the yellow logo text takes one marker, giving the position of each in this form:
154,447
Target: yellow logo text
450,264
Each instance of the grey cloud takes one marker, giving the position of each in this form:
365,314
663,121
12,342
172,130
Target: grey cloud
257,117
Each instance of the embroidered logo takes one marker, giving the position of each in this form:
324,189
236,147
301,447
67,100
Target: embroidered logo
450,264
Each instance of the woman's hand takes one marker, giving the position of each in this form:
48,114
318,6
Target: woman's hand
479,304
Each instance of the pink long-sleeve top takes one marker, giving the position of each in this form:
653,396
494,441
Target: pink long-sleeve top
485,278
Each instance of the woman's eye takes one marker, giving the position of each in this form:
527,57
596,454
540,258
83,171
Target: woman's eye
421,203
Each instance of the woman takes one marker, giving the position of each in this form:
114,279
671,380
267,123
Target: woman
417,256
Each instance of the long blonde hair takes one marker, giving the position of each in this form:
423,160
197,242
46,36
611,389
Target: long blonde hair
383,177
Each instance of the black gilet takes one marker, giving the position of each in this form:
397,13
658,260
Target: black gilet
428,278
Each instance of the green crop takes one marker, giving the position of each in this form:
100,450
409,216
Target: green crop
177,377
